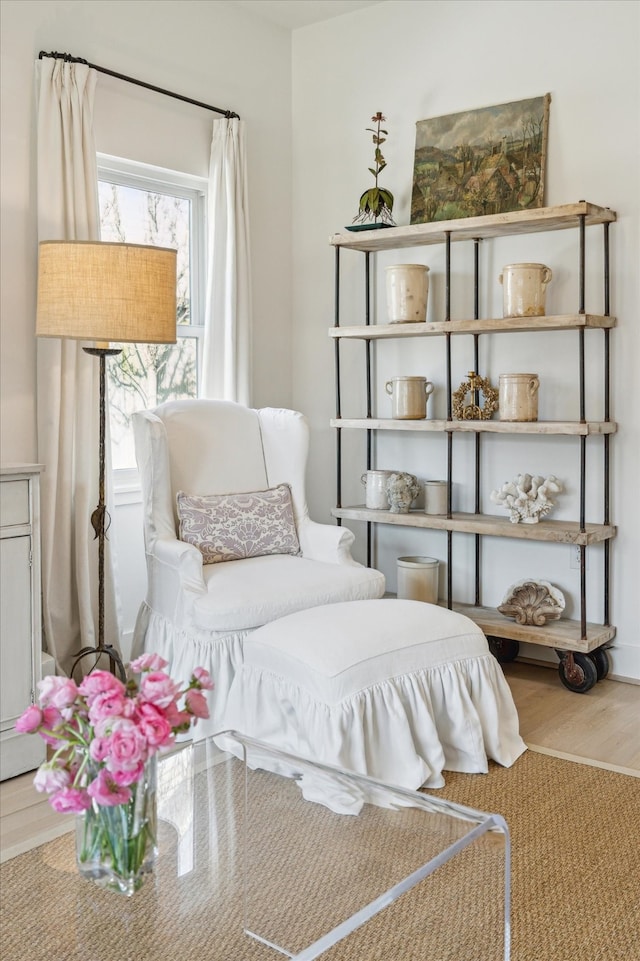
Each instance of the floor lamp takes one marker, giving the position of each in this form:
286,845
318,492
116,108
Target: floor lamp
106,293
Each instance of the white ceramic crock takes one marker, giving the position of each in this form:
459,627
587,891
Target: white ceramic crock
409,397
518,397
407,292
524,289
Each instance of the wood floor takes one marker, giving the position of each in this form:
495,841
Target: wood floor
602,727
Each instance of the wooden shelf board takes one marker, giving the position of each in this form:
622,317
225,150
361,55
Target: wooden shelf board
563,635
495,225
576,428
490,325
558,532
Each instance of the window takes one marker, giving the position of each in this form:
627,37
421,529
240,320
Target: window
141,204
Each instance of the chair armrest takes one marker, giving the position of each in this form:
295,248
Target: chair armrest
326,542
174,578
184,559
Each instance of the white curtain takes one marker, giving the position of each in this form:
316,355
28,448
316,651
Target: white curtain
68,378
226,366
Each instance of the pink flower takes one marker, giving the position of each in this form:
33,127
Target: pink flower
127,746
196,703
158,688
59,692
179,720
50,777
107,704
30,720
148,662
51,720
154,725
203,678
99,682
123,777
70,800
105,791
99,749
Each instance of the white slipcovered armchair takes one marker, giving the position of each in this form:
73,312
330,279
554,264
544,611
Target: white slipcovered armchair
198,614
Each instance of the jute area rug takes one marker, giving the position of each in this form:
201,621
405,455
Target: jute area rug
575,832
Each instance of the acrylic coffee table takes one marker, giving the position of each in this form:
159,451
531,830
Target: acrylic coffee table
318,863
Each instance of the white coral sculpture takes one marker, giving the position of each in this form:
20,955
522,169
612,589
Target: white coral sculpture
527,498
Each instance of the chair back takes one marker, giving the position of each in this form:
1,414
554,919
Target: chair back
215,447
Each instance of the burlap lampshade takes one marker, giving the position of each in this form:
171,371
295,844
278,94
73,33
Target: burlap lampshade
107,292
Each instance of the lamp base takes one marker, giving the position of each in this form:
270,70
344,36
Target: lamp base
116,665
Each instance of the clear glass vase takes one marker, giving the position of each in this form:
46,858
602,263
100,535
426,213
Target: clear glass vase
116,846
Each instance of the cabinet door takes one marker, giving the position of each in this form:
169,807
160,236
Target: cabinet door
16,666
18,752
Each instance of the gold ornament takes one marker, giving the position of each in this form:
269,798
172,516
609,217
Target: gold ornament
473,411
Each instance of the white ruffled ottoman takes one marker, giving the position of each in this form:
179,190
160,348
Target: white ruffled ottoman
398,690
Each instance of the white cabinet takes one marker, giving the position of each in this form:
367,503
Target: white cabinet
580,644
20,620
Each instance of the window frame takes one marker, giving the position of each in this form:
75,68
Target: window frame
173,183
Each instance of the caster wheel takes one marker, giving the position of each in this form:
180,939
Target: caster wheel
601,660
503,649
583,676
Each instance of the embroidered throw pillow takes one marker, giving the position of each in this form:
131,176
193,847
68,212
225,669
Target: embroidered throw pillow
229,527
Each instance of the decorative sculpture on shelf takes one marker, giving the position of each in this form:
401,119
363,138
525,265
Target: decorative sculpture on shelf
527,498
533,603
376,203
473,411
402,490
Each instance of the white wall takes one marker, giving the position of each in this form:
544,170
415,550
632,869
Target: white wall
413,60
212,52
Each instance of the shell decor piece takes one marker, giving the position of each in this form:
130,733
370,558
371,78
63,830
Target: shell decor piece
533,603
527,498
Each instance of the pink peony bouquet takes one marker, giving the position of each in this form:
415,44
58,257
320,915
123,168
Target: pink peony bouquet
104,737
102,732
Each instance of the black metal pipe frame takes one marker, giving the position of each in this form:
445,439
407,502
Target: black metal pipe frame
582,439
336,350
449,417
476,367
607,417
68,58
367,318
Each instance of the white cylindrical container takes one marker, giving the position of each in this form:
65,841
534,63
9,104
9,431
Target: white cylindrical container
524,289
418,579
407,292
409,397
518,397
435,497
375,483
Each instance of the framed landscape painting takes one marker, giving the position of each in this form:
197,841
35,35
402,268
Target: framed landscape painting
486,161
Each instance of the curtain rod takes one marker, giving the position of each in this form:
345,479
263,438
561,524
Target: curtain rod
229,114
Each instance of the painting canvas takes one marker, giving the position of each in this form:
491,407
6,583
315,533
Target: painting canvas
486,161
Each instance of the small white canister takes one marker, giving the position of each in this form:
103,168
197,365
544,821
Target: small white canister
435,497
407,292
418,579
524,289
375,483
409,397
518,397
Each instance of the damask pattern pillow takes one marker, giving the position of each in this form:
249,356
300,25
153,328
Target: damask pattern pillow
229,527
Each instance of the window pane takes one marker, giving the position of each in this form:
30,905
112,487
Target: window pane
143,376
133,216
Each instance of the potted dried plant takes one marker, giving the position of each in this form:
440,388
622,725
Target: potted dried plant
376,203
